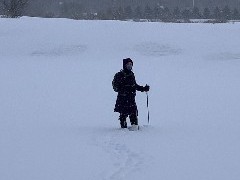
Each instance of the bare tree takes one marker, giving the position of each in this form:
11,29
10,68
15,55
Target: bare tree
13,8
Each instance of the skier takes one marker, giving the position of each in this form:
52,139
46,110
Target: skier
125,85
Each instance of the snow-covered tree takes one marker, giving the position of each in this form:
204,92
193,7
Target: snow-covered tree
13,8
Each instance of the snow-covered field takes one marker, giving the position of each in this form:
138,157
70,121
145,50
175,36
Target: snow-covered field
56,100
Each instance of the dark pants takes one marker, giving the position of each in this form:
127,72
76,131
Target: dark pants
123,119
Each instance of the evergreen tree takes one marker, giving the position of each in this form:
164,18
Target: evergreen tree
128,12
206,13
138,13
226,13
236,14
148,12
176,13
217,13
109,14
120,14
101,15
196,13
167,16
157,12
186,14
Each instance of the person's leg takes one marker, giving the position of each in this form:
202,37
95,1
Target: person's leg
133,118
123,120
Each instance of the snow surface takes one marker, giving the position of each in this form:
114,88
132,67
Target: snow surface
56,100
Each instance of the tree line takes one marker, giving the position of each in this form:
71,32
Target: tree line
74,10
157,13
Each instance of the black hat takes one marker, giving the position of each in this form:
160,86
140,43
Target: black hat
125,61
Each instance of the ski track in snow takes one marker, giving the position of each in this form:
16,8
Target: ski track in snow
60,51
125,160
156,49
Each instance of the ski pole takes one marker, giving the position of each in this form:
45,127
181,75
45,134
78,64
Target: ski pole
148,108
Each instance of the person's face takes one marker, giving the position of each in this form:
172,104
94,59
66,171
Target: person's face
129,66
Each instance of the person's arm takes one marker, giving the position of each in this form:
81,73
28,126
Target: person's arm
141,88
117,83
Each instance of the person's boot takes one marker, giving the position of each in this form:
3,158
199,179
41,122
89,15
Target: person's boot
133,119
123,124
123,120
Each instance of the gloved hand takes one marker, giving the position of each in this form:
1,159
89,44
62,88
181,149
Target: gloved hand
146,88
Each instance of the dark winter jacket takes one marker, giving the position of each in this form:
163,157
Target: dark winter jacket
125,84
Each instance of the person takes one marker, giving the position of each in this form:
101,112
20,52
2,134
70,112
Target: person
125,85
